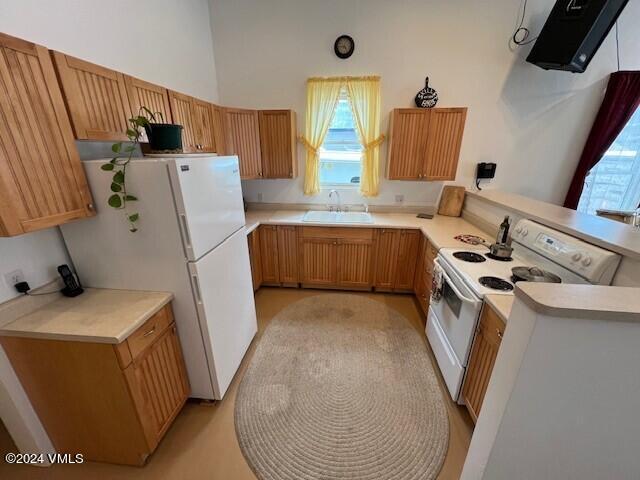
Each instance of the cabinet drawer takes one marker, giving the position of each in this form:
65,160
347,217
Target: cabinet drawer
144,336
338,232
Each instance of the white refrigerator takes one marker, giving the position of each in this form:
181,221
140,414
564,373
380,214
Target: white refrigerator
191,241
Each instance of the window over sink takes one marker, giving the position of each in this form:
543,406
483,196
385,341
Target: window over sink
341,151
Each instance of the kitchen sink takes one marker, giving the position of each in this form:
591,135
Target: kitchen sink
337,217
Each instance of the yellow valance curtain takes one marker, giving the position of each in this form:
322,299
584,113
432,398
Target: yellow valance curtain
322,98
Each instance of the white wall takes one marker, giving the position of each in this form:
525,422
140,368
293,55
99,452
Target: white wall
532,123
163,41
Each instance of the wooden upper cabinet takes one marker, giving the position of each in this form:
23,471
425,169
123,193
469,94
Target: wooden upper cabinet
408,250
145,94
444,140
218,115
42,182
278,143
96,98
407,143
203,121
243,139
288,255
482,359
183,114
424,144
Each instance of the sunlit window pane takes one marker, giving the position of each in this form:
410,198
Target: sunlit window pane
614,183
341,152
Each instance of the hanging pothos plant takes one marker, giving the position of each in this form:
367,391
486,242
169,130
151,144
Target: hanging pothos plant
120,196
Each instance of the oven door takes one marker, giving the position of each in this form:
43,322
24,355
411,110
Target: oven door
457,310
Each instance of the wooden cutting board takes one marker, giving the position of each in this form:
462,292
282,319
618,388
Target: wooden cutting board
451,201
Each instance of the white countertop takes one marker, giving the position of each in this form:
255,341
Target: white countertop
98,316
581,301
501,304
440,230
611,235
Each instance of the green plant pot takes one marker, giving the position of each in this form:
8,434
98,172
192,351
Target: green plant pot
164,137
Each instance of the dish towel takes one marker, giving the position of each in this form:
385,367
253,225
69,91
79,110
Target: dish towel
436,284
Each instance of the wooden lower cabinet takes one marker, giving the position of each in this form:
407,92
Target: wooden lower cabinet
288,255
319,267
408,248
483,357
337,257
111,403
253,240
268,235
354,261
424,274
387,258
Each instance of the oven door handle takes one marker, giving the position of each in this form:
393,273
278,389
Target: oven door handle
453,286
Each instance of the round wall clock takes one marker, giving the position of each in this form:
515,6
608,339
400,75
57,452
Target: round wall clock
344,46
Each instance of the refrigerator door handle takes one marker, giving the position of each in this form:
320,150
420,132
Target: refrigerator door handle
196,288
185,229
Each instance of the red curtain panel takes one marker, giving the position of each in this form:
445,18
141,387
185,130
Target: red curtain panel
620,102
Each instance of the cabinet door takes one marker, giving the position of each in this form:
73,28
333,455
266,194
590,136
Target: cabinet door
96,98
219,129
483,357
278,143
159,385
243,139
288,255
408,248
145,94
255,257
269,254
443,143
407,143
319,262
203,125
183,114
42,182
355,268
387,258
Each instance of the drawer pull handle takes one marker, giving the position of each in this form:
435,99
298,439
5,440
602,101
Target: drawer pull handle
150,332
499,333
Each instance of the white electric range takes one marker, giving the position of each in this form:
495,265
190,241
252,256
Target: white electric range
468,274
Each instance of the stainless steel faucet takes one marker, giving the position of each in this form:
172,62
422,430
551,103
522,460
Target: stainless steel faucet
339,205
366,207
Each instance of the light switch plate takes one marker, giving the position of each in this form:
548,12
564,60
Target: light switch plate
13,277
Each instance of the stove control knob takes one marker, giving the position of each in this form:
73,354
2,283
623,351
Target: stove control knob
587,261
519,230
576,257
525,232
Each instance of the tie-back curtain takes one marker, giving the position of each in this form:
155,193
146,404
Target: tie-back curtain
620,102
322,98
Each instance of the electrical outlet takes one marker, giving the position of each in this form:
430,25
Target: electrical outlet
260,197
399,198
11,278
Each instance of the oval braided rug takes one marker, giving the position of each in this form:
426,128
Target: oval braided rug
341,387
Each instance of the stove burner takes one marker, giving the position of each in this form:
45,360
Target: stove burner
499,259
470,257
496,283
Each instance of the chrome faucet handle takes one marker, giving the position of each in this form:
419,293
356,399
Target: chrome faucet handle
366,207
345,208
